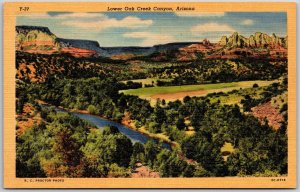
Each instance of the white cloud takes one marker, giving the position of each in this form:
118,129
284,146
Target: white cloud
247,22
211,27
93,21
150,38
138,35
105,22
37,16
78,15
200,14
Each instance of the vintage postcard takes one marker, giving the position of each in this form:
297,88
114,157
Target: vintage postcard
149,95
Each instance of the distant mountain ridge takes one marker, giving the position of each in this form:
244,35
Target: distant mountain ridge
33,38
38,39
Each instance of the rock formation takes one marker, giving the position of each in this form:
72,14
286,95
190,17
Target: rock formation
32,38
223,41
206,42
36,39
258,40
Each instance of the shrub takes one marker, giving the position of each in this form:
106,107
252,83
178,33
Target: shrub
92,109
255,85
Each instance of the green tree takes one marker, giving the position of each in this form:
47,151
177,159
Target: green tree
92,109
151,151
180,123
110,130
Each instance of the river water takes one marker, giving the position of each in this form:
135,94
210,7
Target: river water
99,122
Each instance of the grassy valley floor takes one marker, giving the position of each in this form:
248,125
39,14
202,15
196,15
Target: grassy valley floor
172,93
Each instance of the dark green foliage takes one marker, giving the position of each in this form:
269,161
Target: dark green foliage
197,113
102,151
66,146
180,123
110,130
213,71
151,151
138,154
54,144
206,153
50,66
248,103
133,85
160,115
255,85
284,108
170,165
27,150
255,148
186,99
123,151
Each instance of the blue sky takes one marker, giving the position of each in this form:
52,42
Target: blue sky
151,28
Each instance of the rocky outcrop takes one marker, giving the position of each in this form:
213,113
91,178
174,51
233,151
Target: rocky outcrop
36,39
223,41
79,48
269,112
206,42
194,51
251,41
258,40
78,43
236,40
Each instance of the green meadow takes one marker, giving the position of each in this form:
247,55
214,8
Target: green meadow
165,92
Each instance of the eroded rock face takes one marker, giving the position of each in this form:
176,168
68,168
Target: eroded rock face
77,43
251,41
258,40
223,41
36,39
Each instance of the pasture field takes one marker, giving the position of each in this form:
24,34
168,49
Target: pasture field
171,93
236,97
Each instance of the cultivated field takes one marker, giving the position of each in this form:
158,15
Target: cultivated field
171,93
